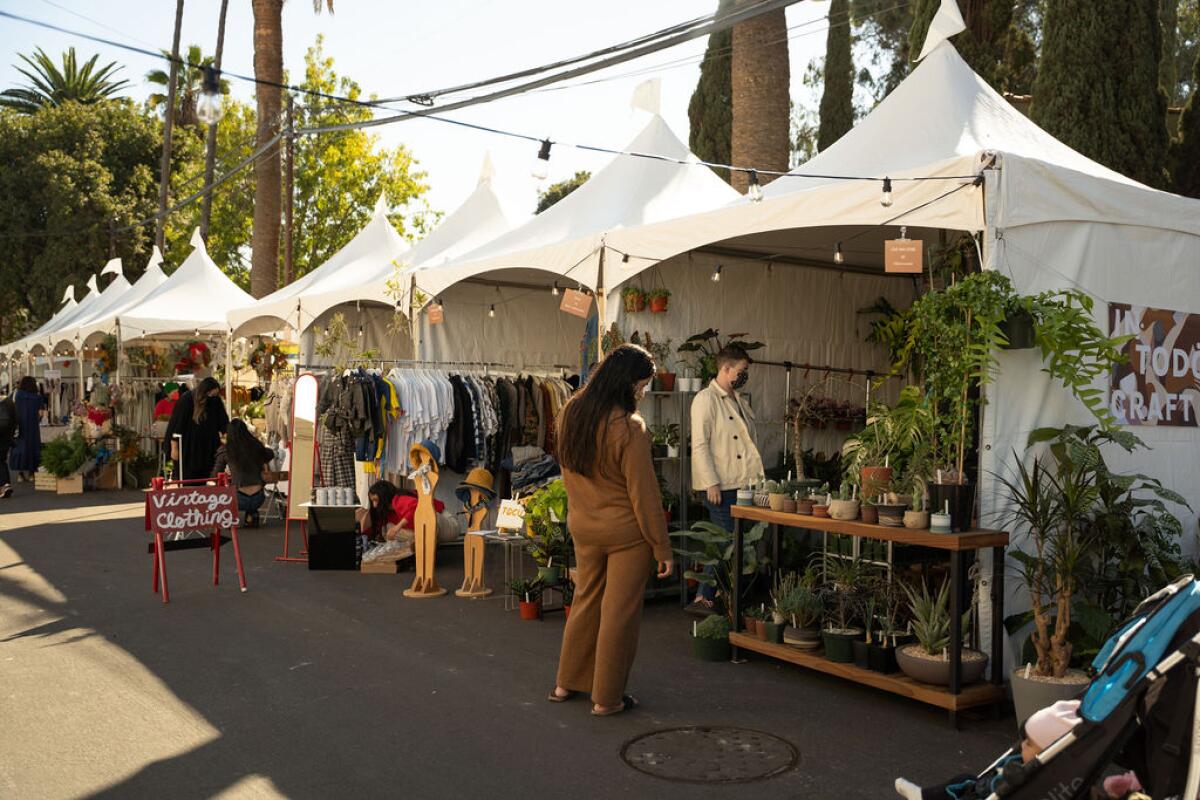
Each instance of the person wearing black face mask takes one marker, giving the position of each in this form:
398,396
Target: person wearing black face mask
725,456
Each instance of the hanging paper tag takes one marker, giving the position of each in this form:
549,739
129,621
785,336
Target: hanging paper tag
576,303
436,315
511,516
902,255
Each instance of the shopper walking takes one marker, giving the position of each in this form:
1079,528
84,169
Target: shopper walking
725,457
245,458
8,429
199,419
615,516
26,455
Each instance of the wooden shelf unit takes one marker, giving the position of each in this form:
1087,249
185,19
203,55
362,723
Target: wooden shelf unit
969,540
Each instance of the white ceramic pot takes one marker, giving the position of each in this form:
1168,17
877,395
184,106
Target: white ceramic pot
745,497
672,452
939,523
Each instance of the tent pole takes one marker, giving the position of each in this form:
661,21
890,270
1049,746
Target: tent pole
413,323
787,398
117,381
601,307
229,371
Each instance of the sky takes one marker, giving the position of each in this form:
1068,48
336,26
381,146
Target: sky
395,48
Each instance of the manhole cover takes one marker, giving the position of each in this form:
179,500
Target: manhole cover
710,755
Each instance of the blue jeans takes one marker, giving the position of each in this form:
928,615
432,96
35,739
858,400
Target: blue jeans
719,515
250,503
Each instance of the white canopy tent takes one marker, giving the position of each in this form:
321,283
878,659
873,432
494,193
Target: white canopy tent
68,305
63,331
196,298
105,317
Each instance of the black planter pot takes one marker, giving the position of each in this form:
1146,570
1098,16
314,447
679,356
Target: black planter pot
882,658
775,631
1017,327
658,450
710,649
861,653
839,647
962,503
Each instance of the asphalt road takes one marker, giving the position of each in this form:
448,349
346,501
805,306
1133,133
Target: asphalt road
331,684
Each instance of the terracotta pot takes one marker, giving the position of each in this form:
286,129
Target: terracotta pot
666,381
844,510
776,500
760,629
531,611
875,481
749,624
935,670
820,511
869,514
659,305
789,506
916,520
804,507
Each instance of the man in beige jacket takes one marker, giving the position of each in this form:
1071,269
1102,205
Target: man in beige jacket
725,455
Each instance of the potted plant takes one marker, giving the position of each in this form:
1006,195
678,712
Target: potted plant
861,646
868,512
845,507
881,655
64,457
891,511
717,552
669,500
673,440
843,580
928,660
710,638
661,351
545,517
659,300
634,299
804,610
658,441
703,347
529,596
891,439
821,506
917,518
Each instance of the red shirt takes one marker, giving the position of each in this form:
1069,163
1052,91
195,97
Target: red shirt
403,508
163,408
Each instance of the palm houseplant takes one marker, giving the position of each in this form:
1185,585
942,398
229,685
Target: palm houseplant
928,659
713,562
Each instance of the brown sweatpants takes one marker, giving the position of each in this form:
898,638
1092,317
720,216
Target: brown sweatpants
601,637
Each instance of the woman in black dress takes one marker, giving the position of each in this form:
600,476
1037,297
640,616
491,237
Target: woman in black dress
199,419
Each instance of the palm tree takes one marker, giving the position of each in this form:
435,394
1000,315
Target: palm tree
187,88
268,189
52,87
759,71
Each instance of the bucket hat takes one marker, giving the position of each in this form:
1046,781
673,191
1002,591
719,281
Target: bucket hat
479,479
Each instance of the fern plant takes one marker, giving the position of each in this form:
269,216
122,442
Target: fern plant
62,457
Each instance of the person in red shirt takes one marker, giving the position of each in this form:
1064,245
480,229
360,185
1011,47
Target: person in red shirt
164,407
389,513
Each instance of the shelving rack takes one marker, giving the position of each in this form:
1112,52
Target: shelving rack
674,407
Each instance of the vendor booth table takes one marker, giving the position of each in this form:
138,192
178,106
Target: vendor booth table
953,698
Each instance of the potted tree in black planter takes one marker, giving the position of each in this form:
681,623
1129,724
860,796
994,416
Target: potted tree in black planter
843,583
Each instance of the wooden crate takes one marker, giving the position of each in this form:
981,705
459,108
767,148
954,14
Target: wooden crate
71,485
44,482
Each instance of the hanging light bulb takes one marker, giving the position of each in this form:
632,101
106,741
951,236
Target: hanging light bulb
838,258
210,107
716,276
755,190
492,311
554,289
541,165
360,330
886,200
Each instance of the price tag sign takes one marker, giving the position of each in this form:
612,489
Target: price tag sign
436,314
511,516
903,255
576,303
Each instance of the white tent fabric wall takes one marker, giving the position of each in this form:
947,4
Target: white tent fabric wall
803,315
528,329
378,334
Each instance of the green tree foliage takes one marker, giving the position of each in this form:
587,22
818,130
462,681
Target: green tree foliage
1187,49
187,91
999,42
51,86
1168,69
70,171
837,98
557,191
710,111
883,25
1185,151
1097,84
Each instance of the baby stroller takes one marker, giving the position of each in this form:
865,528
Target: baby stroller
1138,711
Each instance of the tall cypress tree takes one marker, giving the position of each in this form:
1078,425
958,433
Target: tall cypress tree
710,111
1185,152
1097,85
1168,78
837,98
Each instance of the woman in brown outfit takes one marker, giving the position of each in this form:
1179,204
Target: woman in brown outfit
616,519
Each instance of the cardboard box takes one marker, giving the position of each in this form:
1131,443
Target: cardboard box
380,568
71,485
106,476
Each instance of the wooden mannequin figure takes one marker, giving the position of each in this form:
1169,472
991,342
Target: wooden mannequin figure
423,458
476,494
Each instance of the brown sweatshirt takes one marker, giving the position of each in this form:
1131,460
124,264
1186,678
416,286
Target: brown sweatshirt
621,503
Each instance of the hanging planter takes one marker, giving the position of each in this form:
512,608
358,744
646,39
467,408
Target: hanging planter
660,300
1017,327
634,298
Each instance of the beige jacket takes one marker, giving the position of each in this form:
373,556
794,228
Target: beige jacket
724,448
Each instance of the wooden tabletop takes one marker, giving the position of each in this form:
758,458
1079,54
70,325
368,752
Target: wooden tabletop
968,540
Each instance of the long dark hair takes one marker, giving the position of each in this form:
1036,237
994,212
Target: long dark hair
243,450
200,398
585,418
28,384
386,491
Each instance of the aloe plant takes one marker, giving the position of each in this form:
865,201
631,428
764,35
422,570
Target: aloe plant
931,617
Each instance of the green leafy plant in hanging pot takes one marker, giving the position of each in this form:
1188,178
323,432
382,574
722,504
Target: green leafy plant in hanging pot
702,349
634,299
660,300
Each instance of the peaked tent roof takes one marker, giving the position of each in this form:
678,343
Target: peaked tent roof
68,306
566,238
372,249
479,220
945,122
103,320
52,336
197,296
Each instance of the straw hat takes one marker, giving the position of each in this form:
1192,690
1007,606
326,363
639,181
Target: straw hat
427,448
479,479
